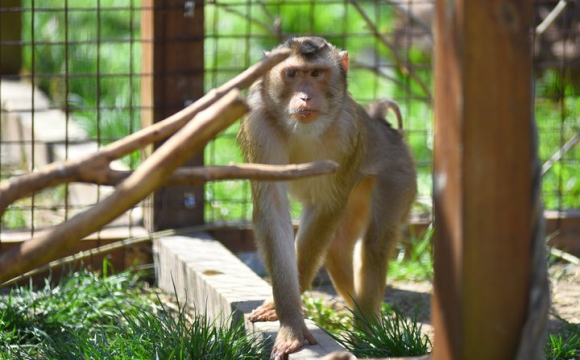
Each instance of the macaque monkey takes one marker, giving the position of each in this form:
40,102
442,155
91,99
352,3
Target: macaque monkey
302,112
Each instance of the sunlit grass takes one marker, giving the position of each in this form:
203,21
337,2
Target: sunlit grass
414,262
388,335
565,344
87,316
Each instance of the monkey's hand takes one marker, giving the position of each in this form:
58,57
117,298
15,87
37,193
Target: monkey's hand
264,312
290,339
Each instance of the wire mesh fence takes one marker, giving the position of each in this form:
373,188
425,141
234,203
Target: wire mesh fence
389,46
72,82
76,88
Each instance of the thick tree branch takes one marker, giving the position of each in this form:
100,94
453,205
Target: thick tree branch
153,172
203,174
96,166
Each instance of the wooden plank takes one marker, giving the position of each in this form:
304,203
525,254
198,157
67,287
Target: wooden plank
10,30
173,52
482,177
107,234
241,238
563,229
121,259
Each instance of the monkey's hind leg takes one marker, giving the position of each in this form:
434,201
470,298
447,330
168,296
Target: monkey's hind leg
371,274
390,206
339,259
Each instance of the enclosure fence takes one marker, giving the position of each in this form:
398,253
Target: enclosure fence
79,74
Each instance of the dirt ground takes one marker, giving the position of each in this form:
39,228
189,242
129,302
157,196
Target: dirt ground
415,297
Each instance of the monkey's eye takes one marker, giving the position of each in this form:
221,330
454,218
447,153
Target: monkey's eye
316,73
291,73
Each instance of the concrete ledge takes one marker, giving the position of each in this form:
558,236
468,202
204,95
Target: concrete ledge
216,282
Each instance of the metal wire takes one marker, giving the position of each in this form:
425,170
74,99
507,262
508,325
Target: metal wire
236,33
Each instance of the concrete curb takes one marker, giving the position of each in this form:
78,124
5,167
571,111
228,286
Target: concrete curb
213,280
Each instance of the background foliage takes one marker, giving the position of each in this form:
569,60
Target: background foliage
108,43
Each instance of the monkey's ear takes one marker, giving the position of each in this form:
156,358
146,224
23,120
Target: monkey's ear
266,53
344,59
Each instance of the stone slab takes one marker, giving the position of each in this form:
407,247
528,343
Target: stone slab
215,281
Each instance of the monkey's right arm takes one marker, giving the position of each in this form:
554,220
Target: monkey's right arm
275,235
275,238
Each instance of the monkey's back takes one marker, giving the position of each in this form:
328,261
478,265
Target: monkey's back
388,157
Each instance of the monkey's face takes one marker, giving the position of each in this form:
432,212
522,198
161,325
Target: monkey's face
306,88
310,94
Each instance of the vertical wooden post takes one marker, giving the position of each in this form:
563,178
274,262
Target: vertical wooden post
10,30
482,177
173,58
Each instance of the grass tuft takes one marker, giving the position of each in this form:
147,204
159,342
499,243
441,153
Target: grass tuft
87,316
416,265
325,315
564,345
389,335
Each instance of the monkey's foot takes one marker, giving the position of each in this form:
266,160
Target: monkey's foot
290,340
264,312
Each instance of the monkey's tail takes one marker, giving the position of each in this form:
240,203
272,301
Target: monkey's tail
379,108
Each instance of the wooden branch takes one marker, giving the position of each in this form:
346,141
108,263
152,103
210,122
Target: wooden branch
406,10
96,165
124,243
375,69
231,10
552,16
203,174
565,256
153,172
405,69
560,153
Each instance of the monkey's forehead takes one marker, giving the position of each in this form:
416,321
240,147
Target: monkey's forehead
298,62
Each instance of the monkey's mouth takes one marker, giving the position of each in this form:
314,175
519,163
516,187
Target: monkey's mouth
305,115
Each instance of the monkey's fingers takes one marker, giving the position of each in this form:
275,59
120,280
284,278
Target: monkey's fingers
289,344
265,312
281,350
311,340
267,316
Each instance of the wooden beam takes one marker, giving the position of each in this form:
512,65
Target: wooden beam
10,30
563,229
482,173
173,55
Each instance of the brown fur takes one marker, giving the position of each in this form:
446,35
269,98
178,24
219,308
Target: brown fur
301,112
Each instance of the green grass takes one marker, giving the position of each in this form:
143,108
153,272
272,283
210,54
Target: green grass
325,315
417,265
564,345
87,316
391,334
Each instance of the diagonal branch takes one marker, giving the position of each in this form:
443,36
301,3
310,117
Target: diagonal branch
96,166
406,10
552,16
376,70
261,24
153,173
560,153
406,69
